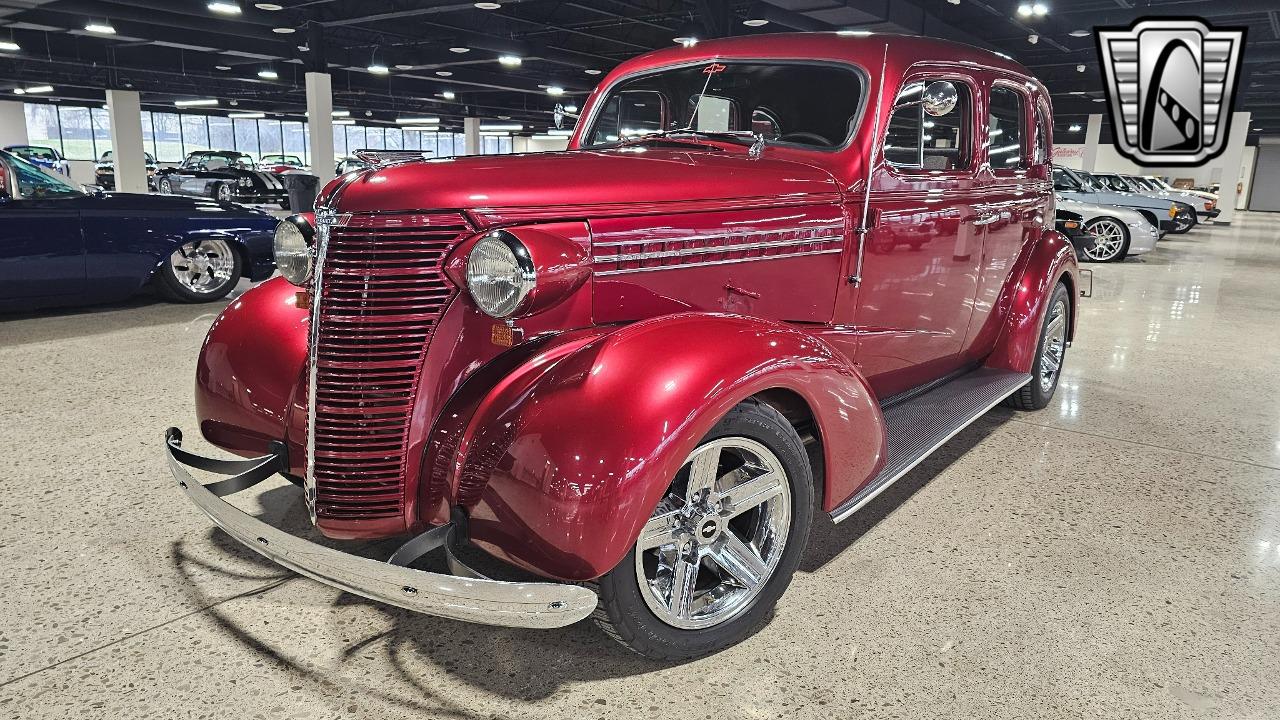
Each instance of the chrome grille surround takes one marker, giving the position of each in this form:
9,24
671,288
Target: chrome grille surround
379,291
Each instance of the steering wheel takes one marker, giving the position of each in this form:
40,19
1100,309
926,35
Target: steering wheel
804,137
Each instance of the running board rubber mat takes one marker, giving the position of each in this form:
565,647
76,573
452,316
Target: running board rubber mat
914,428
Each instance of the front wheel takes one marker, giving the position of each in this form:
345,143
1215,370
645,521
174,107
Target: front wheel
200,271
1050,353
164,186
223,193
722,545
1110,240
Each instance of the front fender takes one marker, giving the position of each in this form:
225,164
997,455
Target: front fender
1052,259
566,458
249,371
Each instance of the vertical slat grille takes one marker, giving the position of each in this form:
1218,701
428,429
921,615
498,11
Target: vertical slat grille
382,292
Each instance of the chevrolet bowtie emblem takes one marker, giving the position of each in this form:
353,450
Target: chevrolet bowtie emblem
1170,84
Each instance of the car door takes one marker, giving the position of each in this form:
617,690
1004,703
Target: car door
1015,202
920,260
41,246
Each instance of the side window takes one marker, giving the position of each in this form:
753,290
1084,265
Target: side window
630,112
915,140
1005,130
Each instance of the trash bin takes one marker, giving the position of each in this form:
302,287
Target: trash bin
302,190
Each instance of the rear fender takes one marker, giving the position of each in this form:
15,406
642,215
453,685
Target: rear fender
1052,259
563,462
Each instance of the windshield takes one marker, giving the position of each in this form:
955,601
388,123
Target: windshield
282,159
36,182
809,105
106,157
35,151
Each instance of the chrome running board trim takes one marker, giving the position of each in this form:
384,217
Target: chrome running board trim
915,428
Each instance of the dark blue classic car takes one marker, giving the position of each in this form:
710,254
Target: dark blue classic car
63,245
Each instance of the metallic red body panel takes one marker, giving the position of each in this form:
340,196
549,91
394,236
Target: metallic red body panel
574,448
250,369
1050,260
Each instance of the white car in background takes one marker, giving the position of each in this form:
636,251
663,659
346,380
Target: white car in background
1206,203
1117,231
1081,186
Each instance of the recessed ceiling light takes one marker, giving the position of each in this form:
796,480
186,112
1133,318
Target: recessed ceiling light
488,5
283,30
592,71
448,95
1039,9
1076,92
1073,128
1033,39
954,2
444,73
9,46
226,8
268,74
402,66
417,121
755,22
510,60
341,113
195,103
1024,10
571,108
1080,33
555,90
376,69
1099,99
221,67
1080,68
460,50
100,28
504,117
269,7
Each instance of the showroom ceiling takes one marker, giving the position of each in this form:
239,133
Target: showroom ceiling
446,58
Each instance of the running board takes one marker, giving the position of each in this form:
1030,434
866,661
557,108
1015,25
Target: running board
916,427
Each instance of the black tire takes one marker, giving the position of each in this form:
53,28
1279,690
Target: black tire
1185,222
1123,250
1033,395
171,287
223,192
623,613
164,186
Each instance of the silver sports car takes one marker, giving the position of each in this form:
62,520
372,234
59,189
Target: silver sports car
1116,231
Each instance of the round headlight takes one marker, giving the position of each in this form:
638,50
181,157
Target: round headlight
500,274
293,253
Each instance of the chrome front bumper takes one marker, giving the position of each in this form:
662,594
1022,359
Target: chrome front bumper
466,595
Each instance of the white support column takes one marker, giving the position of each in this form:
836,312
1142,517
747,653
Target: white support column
13,124
124,110
320,124
1092,137
1232,157
471,135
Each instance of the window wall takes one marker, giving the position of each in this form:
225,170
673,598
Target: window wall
83,133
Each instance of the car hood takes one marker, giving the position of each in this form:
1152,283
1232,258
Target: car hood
579,180
194,206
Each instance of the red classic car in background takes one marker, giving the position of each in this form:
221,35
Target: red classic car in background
769,276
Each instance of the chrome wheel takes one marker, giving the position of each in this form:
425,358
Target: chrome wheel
1055,346
717,536
224,193
1108,240
203,266
164,187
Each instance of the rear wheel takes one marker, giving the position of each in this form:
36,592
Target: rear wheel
1110,241
1051,351
721,546
200,271
1183,222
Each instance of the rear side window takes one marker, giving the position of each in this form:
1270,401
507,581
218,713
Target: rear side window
917,141
1005,130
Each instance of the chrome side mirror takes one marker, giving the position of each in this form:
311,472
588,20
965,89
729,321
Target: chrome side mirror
940,98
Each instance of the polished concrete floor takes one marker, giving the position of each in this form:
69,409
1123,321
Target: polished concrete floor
1114,556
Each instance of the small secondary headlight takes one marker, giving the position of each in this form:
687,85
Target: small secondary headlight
293,253
245,181
500,274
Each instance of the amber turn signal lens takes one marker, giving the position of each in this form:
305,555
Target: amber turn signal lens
1071,224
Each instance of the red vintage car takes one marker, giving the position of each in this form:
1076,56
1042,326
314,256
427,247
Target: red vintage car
769,276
